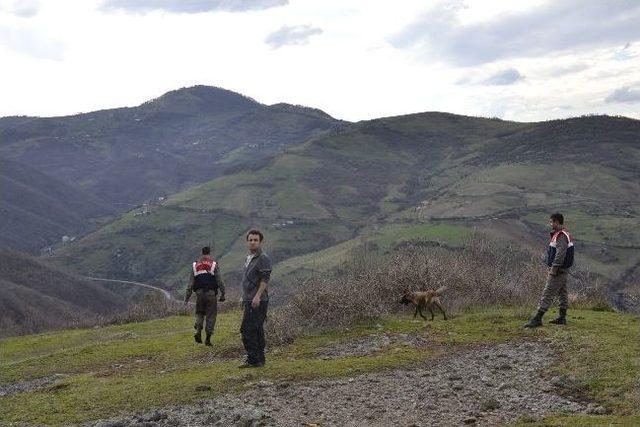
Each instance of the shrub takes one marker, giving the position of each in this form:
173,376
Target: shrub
483,272
153,306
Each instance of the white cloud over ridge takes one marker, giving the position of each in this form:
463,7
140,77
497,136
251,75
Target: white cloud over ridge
74,56
626,94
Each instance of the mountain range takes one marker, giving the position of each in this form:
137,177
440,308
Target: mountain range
144,187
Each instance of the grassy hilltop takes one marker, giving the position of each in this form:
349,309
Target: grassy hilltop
128,368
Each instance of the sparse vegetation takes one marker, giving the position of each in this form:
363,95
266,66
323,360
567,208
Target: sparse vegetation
482,272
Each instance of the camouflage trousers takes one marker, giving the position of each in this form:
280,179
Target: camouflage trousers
556,285
206,308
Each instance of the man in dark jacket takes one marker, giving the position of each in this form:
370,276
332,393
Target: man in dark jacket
206,282
255,299
559,260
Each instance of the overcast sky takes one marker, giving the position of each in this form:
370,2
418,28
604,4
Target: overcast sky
524,60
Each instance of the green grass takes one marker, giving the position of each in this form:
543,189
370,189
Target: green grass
385,236
596,182
392,234
127,368
276,191
600,354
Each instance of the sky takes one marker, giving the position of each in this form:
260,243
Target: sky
528,60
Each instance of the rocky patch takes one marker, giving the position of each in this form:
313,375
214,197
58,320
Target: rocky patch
29,385
486,386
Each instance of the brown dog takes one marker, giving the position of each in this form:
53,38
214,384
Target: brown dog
425,300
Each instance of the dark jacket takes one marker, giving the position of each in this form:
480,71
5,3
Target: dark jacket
256,269
218,279
559,252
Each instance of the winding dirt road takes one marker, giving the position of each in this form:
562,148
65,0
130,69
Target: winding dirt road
166,294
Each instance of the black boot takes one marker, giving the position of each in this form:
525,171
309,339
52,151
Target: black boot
198,337
535,321
207,340
562,318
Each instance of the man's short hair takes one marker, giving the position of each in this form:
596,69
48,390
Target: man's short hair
557,217
206,250
255,231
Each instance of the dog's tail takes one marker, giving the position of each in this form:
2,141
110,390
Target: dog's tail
441,290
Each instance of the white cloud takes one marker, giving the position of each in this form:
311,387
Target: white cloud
563,70
21,8
504,77
554,26
291,36
190,6
106,60
625,94
32,42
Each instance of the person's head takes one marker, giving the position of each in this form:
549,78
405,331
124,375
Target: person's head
254,239
556,221
206,250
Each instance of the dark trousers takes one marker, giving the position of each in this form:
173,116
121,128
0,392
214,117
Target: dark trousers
206,307
252,330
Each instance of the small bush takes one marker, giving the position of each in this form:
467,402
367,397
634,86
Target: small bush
156,306
153,306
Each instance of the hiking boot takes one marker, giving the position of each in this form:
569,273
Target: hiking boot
562,318
207,340
251,365
198,337
535,321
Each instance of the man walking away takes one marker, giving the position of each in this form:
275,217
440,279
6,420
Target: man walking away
559,260
255,298
206,282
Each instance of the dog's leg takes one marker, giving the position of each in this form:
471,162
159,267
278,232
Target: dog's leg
431,311
421,315
441,309
415,314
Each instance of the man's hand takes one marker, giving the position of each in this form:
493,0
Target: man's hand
186,302
255,302
222,298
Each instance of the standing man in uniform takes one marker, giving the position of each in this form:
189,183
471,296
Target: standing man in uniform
206,282
559,260
255,299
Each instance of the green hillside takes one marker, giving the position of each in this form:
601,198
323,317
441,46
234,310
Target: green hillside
395,179
37,210
119,158
35,297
